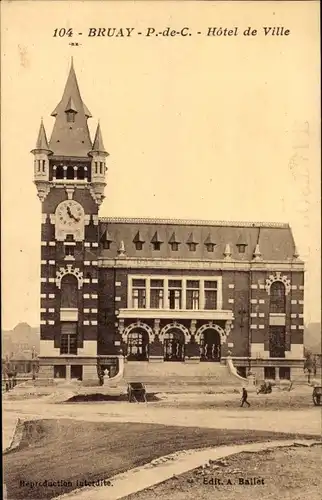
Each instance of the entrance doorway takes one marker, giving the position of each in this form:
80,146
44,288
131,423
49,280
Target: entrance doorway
210,346
174,346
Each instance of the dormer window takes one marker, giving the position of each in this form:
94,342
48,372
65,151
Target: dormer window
174,243
138,241
209,244
106,240
70,116
241,247
174,246
210,247
156,241
192,244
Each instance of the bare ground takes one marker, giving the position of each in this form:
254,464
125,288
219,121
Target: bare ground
71,451
290,473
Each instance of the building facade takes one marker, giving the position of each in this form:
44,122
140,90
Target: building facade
154,290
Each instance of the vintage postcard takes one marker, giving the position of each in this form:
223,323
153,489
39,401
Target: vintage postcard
161,323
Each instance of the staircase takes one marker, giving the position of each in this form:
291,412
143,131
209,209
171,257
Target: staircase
177,374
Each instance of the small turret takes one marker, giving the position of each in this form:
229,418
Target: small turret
98,167
41,163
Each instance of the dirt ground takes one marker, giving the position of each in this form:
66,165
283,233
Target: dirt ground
71,451
287,473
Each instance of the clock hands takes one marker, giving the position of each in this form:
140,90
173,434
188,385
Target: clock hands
72,216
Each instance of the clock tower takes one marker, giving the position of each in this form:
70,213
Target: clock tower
69,174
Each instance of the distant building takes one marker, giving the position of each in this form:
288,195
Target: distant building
158,291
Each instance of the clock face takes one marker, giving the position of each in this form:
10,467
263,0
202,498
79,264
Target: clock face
70,214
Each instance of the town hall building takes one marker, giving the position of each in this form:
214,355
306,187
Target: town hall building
154,290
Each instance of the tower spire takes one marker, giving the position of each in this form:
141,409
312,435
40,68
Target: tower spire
42,142
98,145
70,136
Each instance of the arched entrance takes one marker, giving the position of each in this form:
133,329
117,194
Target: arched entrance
210,345
137,345
173,345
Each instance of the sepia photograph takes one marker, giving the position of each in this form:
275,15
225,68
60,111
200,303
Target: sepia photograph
161,250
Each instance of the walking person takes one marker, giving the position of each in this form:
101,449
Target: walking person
244,398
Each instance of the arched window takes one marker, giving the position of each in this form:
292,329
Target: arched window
174,345
138,345
277,297
70,173
69,291
60,172
80,173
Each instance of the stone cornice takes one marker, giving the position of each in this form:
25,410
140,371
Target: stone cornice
187,222
231,265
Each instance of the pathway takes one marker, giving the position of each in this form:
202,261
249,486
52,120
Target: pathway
165,468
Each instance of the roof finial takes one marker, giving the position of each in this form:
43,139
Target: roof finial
72,62
121,249
296,253
257,253
227,252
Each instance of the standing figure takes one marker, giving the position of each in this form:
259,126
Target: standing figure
244,397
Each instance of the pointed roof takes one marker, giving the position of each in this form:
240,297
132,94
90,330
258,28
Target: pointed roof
241,240
138,238
173,238
98,145
106,236
71,105
209,240
42,143
71,138
191,239
156,238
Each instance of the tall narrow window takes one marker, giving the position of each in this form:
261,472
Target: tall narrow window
277,345
175,294
156,245
60,172
69,291
193,293
156,294
138,293
277,297
80,173
70,173
210,295
68,338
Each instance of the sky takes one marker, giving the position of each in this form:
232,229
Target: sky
200,127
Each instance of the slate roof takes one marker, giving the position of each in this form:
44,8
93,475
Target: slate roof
42,143
71,138
275,240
